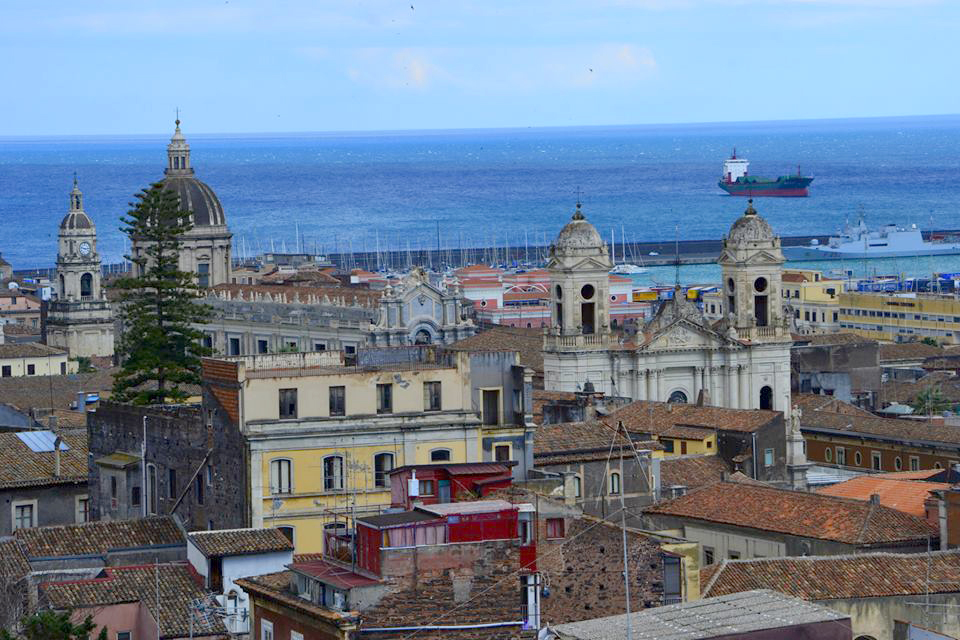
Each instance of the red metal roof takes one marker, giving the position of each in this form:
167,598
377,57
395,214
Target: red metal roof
333,574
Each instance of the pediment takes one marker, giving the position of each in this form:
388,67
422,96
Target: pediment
582,264
764,257
682,335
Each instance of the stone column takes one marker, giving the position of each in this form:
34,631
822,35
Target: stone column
733,387
648,375
640,384
659,374
744,387
697,374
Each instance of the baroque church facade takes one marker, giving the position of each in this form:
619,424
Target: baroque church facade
739,362
80,320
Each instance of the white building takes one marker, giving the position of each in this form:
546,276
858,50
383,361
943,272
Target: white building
225,555
739,362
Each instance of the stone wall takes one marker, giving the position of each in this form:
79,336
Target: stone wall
187,440
584,572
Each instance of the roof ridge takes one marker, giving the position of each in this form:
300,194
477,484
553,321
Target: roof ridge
713,577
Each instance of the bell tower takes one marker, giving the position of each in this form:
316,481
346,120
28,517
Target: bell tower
752,264
79,320
579,269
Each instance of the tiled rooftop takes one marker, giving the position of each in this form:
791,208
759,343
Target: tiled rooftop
21,467
527,342
177,593
656,417
238,542
856,421
691,471
731,616
863,575
276,587
98,537
892,353
571,441
28,350
904,495
797,513
824,339
27,392
13,564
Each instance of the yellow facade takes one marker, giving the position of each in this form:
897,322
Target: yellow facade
687,446
902,316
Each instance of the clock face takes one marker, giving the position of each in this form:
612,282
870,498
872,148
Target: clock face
84,248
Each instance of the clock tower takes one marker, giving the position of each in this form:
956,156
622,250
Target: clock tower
80,320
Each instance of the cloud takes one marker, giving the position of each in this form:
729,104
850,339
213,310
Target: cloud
404,68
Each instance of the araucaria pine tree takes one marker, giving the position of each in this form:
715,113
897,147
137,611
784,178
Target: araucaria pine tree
160,348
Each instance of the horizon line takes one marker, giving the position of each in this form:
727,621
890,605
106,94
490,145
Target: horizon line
515,128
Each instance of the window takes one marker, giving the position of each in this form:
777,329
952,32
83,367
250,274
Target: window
63,368
198,487
877,460
385,398
266,630
124,635
426,487
263,346
319,346
667,445
296,635
333,473
6,372
440,455
24,515
151,489
83,509
733,555
281,476
338,401
897,463
172,484
614,483
914,463
555,528
828,454
287,532
134,496
288,403
841,456
382,465
233,346
209,475
707,556
501,453
31,369
203,274
431,396
857,458
768,457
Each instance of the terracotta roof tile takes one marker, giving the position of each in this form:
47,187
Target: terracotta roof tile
276,586
177,591
691,471
835,416
98,537
28,350
13,564
27,392
21,467
864,575
818,339
238,542
907,351
656,417
808,515
906,391
904,495
527,342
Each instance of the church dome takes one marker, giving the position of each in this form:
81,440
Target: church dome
195,196
76,218
750,227
579,235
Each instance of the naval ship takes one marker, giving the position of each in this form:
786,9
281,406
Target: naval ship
856,242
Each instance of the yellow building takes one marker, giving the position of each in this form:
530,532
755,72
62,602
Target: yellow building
897,317
33,359
322,437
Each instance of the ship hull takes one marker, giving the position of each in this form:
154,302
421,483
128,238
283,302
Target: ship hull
807,254
792,187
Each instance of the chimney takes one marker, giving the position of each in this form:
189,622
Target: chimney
81,401
56,457
874,498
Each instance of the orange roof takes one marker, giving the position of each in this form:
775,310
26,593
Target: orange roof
909,475
902,495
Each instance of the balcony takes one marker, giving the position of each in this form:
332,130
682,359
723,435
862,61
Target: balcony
596,341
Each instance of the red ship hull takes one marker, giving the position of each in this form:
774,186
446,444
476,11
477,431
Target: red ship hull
772,193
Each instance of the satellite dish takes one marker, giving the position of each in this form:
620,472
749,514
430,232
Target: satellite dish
545,634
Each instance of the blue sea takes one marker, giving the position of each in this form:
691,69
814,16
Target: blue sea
494,187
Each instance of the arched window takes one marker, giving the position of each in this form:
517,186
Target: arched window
615,483
828,454
333,473
382,465
281,476
857,458
897,463
423,337
766,398
577,487
86,285
678,397
63,288
288,532
440,455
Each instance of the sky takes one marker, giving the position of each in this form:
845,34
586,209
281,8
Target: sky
244,66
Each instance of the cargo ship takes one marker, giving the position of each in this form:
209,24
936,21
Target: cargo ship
856,242
737,181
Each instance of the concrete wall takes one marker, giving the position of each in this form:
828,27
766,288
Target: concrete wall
53,505
874,616
128,616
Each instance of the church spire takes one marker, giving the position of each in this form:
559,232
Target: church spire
178,153
76,196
